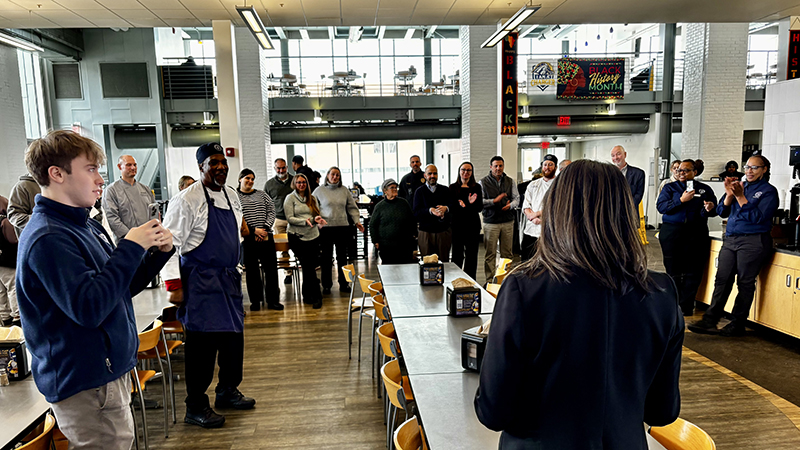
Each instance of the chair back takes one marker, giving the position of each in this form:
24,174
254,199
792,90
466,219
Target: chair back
493,289
408,436
281,242
504,262
148,340
364,282
349,272
380,308
393,380
375,288
386,336
682,435
44,439
499,276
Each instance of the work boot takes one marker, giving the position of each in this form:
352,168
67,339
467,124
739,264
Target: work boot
232,398
732,330
704,326
205,418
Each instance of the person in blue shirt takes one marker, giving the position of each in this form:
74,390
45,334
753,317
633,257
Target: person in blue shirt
747,246
684,233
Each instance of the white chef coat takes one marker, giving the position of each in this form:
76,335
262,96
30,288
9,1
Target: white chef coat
534,197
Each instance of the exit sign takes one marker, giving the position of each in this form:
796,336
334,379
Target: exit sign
564,121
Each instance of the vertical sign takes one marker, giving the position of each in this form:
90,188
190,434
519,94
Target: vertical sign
508,94
793,70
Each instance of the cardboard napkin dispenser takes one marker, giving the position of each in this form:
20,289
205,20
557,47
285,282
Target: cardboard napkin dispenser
472,347
464,301
431,274
14,357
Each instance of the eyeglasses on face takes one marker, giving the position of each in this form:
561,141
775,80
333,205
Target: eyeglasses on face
752,167
684,170
466,170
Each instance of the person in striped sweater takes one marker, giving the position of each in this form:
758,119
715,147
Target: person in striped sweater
258,244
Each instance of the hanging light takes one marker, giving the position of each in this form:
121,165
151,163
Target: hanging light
516,20
525,112
253,22
611,30
612,109
317,116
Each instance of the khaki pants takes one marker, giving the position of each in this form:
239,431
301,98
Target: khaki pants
492,233
8,294
98,418
280,227
438,243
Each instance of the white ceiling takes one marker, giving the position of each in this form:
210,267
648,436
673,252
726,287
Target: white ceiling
194,13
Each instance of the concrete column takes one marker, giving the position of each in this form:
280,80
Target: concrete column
784,26
12,119
227,89
479,124
253,106
715,69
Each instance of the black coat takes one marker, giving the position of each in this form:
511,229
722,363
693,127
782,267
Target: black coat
574,366
467,218
635,177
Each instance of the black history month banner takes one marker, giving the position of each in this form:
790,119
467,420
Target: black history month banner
793,68
589,79
508,94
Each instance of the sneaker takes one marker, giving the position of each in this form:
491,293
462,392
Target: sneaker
326,291
344,289
255,307
704,326
232,398
287,280
275,306
732,330
205,418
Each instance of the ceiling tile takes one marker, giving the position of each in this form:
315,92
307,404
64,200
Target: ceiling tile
121,4
5,5
147,23
204,4
162,4
429,16
92,14
393,20
211,14
173,13
313,5
112,23
350,4
434,4
183,22
322,13
80,4
354,21
135,14
38,5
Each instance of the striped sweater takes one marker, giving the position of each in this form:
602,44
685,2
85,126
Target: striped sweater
258,209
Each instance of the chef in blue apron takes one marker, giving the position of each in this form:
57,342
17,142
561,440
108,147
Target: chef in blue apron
205,220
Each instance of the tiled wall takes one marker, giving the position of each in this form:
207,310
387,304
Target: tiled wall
253,106
479,92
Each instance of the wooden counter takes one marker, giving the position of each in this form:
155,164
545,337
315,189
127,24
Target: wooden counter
777,299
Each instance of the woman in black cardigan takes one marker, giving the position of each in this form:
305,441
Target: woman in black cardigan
585,342
466,207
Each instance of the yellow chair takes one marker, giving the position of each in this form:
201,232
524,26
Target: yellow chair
169,321
398,393
682,435
381,316
148,340
493,289
409,436
501,271
41,438
375,288
350,275
289,263
165,353
364,283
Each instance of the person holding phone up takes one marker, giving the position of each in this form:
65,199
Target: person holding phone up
686,205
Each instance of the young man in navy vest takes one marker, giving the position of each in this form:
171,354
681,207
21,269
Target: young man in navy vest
74,290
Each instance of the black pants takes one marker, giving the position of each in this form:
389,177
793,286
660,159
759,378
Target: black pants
329,237
528,246
742,257
308,254
202,349
261,255
685,248
396,255
465,250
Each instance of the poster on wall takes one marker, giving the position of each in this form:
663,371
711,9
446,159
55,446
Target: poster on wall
508,94
542,77
591,78
793,70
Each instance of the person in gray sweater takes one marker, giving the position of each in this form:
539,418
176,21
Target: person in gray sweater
302,213
21,202
335,204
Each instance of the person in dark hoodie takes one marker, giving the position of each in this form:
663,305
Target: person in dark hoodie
20,203
76,302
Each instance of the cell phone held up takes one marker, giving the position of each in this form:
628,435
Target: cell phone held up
153,211
690,187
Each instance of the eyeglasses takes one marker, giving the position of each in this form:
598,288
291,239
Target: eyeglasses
391,188
684,170
467,170
752,167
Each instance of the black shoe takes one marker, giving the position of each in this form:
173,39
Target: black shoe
704,326
205,418
275,306
232,398
317,305
287,280
255,307
688,312
326,291
732,330
344,289
7,322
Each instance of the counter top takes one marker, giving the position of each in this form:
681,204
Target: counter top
717,236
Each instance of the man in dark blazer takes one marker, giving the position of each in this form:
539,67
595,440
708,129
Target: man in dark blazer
634,175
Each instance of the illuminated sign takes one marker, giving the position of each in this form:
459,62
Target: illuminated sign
793,70
564,121
508,85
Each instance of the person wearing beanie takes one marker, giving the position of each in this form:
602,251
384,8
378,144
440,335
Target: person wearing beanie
532,206
392,226
206,220
731,171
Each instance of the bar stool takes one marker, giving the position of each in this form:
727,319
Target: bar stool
148,340
41,438
349,272
408,436
398,393
682,435
364,282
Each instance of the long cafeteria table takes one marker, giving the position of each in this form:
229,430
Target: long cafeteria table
22,406
430,341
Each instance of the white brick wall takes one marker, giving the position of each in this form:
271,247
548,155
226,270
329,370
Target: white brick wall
13,122
781,129
253,106
714,91
479,120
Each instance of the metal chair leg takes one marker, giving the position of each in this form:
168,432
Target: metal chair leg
141,406
360,315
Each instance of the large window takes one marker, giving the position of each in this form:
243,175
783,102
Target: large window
30,78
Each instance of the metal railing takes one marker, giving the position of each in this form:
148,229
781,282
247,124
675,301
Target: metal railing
762,68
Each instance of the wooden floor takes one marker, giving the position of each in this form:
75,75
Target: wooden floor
311,396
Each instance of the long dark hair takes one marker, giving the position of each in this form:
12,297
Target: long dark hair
310,200
471,182
590,226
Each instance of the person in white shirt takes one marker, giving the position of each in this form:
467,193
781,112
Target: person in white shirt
532,206
206,222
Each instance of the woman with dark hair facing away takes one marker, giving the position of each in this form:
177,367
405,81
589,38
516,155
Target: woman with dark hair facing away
746,247
302,213
335,204
585,342
258,245
686,205
466,207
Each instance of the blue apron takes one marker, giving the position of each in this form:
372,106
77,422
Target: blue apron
212,286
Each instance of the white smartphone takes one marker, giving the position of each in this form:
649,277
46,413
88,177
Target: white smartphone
690,185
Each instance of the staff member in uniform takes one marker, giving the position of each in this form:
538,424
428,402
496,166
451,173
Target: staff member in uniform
206,219
747,246
684,232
